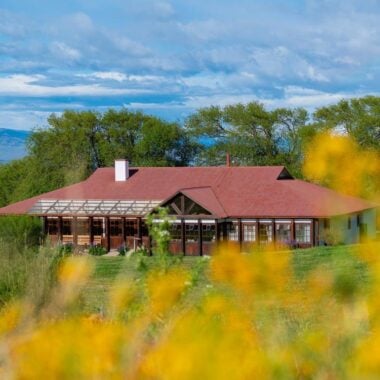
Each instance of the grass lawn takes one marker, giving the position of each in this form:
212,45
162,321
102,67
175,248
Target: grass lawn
341,259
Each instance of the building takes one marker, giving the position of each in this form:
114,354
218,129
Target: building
249,205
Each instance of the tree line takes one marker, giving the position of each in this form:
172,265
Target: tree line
75,144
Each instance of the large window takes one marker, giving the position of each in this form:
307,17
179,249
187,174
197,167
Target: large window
52,226
303,232
67,226
208,232
131,227
283,234
249,232
82,226
265,232
116,227
191,231
176,231
233,231
97,226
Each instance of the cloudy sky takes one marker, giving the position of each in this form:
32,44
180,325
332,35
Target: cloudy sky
172,57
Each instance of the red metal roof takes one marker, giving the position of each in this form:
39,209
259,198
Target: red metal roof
226,191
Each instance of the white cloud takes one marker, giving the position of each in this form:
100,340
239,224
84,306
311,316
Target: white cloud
62,50
26,85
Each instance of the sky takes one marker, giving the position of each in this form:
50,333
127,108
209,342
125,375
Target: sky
170,58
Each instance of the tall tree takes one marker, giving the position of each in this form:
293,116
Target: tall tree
359,118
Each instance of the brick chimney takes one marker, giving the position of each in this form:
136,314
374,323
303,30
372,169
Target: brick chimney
121,170
228,159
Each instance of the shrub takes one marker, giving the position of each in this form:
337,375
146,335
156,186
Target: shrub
122,250
97,250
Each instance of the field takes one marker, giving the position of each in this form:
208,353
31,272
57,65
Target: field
303,314
339,260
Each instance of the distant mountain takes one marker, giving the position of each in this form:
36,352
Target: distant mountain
12,144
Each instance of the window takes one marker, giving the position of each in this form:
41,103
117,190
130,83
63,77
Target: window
116,228
131,227
175,231
97,227
265,232
349,223
303,232
82,227
283,234
208,232
52,226
191,231
232,231
66,226
249,232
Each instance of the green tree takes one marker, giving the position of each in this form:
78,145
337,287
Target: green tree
360,118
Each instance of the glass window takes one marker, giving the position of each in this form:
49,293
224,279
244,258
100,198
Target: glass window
191,231
233,231
67,226
116,227
52,226
265,232
303,232
175,231
249,232
283,233
82,227
97,227
208,232
131,227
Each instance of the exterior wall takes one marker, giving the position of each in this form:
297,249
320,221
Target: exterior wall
341,233
369,218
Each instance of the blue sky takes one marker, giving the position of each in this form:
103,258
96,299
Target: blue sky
170,58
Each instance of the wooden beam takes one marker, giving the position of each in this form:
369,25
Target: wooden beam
139,231
60,229
123,230
91,228
108,234
74,231
240,234
183,236
200,238
293,232
217,231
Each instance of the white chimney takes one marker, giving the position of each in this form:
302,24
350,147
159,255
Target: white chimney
121,170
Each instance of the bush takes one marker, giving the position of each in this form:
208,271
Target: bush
66,249
122,250
97,250
21,231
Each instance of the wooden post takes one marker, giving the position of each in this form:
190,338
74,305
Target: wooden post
240,234
293,233
200,238
183,236
274,239
74,230
60,229
312,237
217,231
139,231
225,235
123,231
257,234
108,234
91,227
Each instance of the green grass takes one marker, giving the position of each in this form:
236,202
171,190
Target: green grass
340,260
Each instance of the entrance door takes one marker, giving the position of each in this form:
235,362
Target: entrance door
116,233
